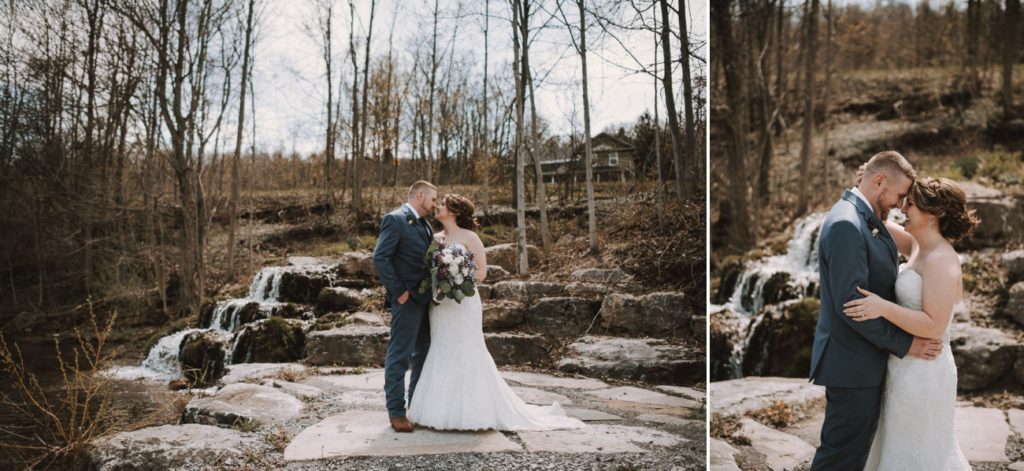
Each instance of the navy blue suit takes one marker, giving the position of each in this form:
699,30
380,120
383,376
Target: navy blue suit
849,358
398,258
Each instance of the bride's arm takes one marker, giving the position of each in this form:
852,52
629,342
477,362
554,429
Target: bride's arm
476,246
905,242
938,295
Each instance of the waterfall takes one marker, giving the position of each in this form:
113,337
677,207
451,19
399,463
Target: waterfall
268,276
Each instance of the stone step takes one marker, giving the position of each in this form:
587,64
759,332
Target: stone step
644,359
242,403
782,451
171,447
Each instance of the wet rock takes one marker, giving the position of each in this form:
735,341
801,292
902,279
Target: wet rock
731,269
502,315
601,275
303,284
338,299
651,360
526,291
506,256
563,316
274,340
243,404
351,345
781,342
202,357
726,337
1015,302
1014,264
778,288
982,355
665,314
516,348
496,273
169,447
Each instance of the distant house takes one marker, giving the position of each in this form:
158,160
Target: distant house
613,160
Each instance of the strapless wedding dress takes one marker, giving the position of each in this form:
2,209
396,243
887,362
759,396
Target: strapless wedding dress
915,428
460,387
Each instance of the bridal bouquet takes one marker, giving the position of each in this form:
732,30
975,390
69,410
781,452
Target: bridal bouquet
452,272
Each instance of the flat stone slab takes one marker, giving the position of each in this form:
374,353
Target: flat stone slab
1016,418
548,381
597,438
644,396
371,379
668,419
739,396
298,390
722,456
982,434
243,371
588,415
688,393
367,433
360,398
539,396
170,447
243,402
782,450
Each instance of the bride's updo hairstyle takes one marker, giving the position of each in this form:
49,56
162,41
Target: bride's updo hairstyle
943,198
463,210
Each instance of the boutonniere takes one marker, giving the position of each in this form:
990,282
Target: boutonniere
874,232
874,228
412,220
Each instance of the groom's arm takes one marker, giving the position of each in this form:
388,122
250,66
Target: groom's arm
387,243
846,252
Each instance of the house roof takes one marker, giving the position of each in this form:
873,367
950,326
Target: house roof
623,145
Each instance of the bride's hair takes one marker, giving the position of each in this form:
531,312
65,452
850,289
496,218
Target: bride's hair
944,199
463,210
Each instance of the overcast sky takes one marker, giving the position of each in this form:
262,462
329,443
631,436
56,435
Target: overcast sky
289,72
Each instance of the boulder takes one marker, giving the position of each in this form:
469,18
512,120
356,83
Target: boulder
303,284
562,316
731,269
1014,264
358,264
587,290
516,348
202,357
726,339
338,299
778,288
351,345
502,315
274,340
782,451
650,360
496,273
745,395
1002,219
526,291
699,327
781,341
664,314
485,291
506,256
241,404
170,447
982,355
230,314
601,275
1015,302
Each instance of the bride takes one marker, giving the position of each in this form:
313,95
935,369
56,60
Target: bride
915,428
460,387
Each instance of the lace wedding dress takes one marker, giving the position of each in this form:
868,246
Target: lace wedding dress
460,387
915,428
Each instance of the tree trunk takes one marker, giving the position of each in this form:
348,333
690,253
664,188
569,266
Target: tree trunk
659,193
519,18
589,163
542,195
827,98
692,182
810,43
670,100
486,151
235,177
1010,42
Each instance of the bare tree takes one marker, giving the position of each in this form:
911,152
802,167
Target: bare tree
690,183
670,101
235,177
810,43
1011,41
520,16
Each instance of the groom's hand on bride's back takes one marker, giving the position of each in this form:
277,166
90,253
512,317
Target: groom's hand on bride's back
925,349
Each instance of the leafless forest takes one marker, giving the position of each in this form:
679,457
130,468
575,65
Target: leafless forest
806,91
128,132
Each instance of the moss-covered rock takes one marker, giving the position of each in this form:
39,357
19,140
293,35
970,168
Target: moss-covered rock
338,299
731,269
202,357
781,342
274,340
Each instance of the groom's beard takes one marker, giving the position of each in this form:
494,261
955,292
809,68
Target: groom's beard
883,210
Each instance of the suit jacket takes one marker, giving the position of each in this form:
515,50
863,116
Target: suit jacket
854,249
398,257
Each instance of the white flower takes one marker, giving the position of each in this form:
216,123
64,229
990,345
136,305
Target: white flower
453,268
874,232
458,279
446,257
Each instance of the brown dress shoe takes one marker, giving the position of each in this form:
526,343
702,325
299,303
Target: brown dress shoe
401,425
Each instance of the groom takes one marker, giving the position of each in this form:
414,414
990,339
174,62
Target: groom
849,358
404,238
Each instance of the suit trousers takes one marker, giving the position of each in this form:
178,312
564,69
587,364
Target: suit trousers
851,418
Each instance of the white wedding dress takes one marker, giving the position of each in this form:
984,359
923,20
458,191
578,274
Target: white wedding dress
915,428
460,387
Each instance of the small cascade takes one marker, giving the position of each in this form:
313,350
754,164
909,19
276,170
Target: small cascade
163,357
266,285
794,273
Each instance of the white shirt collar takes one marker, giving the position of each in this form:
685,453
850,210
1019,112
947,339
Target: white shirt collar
856,191
412,209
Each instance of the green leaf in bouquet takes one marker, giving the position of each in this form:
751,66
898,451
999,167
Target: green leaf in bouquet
457,294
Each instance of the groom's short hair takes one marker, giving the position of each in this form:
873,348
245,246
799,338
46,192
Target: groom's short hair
888,162
419,186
